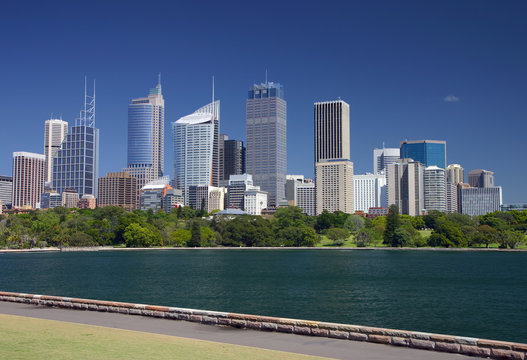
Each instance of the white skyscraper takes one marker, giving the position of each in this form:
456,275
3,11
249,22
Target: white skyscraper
28,179
435,189
384,157
55,131
369,191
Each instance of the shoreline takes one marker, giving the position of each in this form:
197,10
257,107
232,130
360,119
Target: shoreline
110,248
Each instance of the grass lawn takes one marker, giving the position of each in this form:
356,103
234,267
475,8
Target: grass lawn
29,338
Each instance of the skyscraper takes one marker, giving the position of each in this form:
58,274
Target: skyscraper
266,120
427,152
369,191
435,189
455,174
480,200
406,186
384,157
333,168
6,190
194,144
28,179
146,137
55,130
76,164
481,178
118,189
233,158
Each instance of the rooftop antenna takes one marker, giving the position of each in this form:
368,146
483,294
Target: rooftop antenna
383,144
266,77
159,79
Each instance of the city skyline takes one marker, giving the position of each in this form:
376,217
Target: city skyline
437,87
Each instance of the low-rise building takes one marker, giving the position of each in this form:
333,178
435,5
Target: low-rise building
87,201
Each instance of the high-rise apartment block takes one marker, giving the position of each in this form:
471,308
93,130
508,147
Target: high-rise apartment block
194,147
76,164
435,189
369,191
333,168
55,131
266,121
455,174
6,190
334,186
451,198
427,152
118,189
480,200
146,137
28,179
384,157
406,186
481,178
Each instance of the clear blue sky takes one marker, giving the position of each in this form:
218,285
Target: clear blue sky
394,62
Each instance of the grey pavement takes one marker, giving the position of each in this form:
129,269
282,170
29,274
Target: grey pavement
332,348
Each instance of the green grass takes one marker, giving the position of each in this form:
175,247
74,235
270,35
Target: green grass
425,233
29,338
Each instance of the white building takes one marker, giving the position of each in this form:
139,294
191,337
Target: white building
481,200
28,179
435,189
55,131
455,174
384,157
369,191
255,201
306,198
406,186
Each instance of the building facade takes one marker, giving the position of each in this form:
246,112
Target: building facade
481,178
306,198
427,152
266,124
118,189
28,179
87,201
55,131
369,191
210,197
455,174
238,185
194,144
173,199
334,186
451,198
153,193
70,198
406,186
481,200
233,158
435,189
6,190
50,200
255,201
384,157
146,137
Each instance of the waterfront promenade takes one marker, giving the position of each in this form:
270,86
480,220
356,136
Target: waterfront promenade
326,347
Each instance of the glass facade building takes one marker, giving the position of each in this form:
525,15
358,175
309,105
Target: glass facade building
266,124
194,145
427,152
6,190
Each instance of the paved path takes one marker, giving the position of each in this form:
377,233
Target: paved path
333,348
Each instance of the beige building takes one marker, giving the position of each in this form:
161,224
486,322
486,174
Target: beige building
87,201
70,198
28,179
406,186
55,131
118,189
334,186
455,174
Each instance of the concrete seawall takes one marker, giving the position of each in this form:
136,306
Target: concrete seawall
419,340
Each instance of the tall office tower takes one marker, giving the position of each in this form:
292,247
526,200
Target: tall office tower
406,186
146,137
451,198
214,109
384,157
427,152
55,130
266,120
194,146
28,179
6,189
223,181
118,189
233,158
435,189
76,164
455,174
481,178
332,130
369,191
333,168
334,186
480,200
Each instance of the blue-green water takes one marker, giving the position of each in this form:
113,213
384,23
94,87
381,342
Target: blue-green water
479,294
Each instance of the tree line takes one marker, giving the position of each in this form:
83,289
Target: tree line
186,227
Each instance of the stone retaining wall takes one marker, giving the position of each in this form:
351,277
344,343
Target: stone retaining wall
412,339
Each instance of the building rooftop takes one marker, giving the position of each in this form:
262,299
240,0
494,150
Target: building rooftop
196,118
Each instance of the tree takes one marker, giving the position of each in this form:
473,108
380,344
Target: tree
354,223
338,235
393,222
486,235
289,216
512,239
180,237
298,236
362,238
136,235
323,222
401,237
195,238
